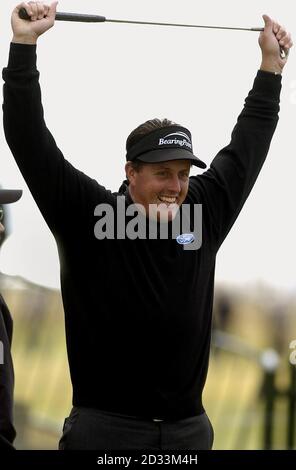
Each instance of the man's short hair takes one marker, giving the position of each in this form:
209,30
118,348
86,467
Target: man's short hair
145,128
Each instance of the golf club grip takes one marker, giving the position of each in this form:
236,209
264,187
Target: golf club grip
61,16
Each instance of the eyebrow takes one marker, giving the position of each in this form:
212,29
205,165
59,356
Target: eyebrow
168,168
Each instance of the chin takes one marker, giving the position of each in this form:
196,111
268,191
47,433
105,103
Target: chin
163,213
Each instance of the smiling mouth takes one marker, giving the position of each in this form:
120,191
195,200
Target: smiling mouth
167,199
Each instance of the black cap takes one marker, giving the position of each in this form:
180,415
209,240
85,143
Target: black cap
7,196
165,144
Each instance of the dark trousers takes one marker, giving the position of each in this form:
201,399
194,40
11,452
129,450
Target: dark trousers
92,429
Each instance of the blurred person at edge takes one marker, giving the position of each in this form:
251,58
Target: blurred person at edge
7,431
138,311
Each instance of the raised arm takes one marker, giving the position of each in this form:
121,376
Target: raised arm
224,188
59,189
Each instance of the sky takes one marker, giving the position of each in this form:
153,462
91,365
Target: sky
100,81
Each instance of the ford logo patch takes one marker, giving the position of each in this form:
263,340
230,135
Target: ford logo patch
185,238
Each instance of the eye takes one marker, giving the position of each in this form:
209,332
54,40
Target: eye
162,173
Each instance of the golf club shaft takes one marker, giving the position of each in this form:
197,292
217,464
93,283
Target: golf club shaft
63,16
185,25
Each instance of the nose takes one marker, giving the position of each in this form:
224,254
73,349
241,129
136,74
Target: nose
174,185
2,228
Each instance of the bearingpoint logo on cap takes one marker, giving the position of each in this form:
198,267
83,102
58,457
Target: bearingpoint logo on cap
185,141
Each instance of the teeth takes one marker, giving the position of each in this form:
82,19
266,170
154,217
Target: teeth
169,200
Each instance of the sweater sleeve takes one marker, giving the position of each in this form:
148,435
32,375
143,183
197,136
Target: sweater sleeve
225,186
60,190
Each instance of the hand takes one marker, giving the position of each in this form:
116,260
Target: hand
272,40
42,19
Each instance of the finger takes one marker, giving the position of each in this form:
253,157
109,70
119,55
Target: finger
288,46
284,43
288,42
52,10
268,23
34,10
26,6
40,10
286,39
276,27
281,33
46,10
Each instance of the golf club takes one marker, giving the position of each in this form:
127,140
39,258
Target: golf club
63,16
85,18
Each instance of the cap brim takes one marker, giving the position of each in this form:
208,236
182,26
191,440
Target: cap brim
166,155
7,196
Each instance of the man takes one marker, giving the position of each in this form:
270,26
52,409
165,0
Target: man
137,311
7,431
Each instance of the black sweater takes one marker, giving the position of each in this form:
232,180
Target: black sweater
137,312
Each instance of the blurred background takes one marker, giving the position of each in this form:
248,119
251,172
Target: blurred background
98,83
250,395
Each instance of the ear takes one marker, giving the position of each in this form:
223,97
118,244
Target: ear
130,172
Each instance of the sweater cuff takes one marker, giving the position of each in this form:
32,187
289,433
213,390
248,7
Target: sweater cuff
22,55
268,83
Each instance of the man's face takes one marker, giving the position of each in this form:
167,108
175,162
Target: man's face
163,185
